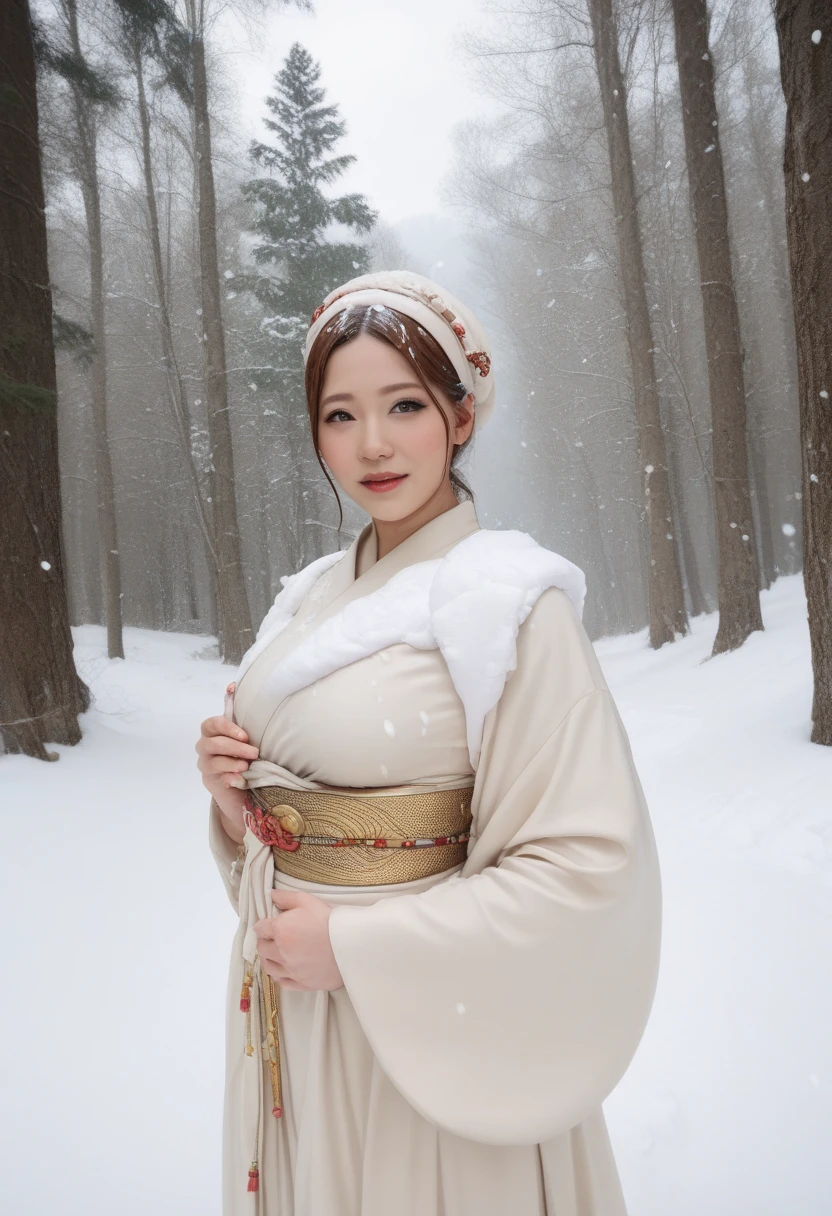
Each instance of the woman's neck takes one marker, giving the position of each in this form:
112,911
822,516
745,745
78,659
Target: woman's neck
391,532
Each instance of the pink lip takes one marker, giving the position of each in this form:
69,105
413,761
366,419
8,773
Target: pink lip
381,487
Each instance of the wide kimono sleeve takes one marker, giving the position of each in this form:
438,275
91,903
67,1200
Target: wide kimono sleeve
506,1002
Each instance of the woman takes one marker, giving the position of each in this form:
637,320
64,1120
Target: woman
425,809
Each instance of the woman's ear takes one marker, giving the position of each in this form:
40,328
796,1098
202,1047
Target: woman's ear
465,419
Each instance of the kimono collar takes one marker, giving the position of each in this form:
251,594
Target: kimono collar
340,578
426,542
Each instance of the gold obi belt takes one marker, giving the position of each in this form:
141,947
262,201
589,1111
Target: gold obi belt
361,840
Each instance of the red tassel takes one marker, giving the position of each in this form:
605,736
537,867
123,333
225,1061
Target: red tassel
245,995
253,1179
277,1111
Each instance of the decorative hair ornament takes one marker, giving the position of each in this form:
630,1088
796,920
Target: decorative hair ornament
436,311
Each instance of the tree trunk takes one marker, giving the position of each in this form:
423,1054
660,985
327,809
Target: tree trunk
667,616
761,495
177,396
805,39
87,165
235,634
738,577
687,550
40,692
764,168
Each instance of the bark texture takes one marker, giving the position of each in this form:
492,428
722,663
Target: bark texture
805,36
666,601
86,164
40,693
738,575
235,633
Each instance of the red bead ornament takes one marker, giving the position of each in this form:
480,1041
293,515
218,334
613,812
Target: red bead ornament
480,360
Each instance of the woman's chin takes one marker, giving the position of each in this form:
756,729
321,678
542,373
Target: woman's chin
390,505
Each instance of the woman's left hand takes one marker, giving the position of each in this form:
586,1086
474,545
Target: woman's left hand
294,947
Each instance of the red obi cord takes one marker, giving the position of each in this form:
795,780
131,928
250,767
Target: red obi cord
267,829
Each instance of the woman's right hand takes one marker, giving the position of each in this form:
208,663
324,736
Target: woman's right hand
224,753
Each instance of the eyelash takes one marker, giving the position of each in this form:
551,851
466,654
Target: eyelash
333,417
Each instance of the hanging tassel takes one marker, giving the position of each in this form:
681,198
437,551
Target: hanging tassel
249,1044
245,995
253,1178
272,1022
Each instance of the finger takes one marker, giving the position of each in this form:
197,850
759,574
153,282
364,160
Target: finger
216,766
266,926
285,900
220,725
276,970
222,745
267,947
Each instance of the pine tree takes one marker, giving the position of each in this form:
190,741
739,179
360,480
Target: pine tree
295,217
302,256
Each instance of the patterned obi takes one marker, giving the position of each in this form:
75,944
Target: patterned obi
362,839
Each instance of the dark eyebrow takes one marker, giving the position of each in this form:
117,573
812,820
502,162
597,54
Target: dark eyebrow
390,388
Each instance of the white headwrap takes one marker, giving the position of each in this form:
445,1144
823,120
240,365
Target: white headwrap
445,318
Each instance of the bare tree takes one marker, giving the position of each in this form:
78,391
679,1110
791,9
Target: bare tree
142,27
40,692
739,596
805,41
667,616
90,91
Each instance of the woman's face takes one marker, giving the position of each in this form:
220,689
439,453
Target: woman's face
380,434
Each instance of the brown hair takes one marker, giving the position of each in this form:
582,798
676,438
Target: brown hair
430,363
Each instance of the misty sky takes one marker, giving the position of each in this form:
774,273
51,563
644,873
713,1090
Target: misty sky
399,72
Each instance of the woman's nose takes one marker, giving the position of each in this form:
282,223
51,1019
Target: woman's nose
374,443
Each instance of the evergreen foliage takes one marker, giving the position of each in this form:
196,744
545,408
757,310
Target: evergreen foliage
301,257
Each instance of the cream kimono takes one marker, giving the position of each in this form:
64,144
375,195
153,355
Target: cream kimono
486,1011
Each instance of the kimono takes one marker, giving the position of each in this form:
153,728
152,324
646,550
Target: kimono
486,1011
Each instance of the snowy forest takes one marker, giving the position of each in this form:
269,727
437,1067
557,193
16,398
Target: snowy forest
660,453
637,205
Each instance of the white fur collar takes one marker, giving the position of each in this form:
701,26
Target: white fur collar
470,604
296,587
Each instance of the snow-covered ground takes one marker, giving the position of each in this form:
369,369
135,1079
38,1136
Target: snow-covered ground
116,932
